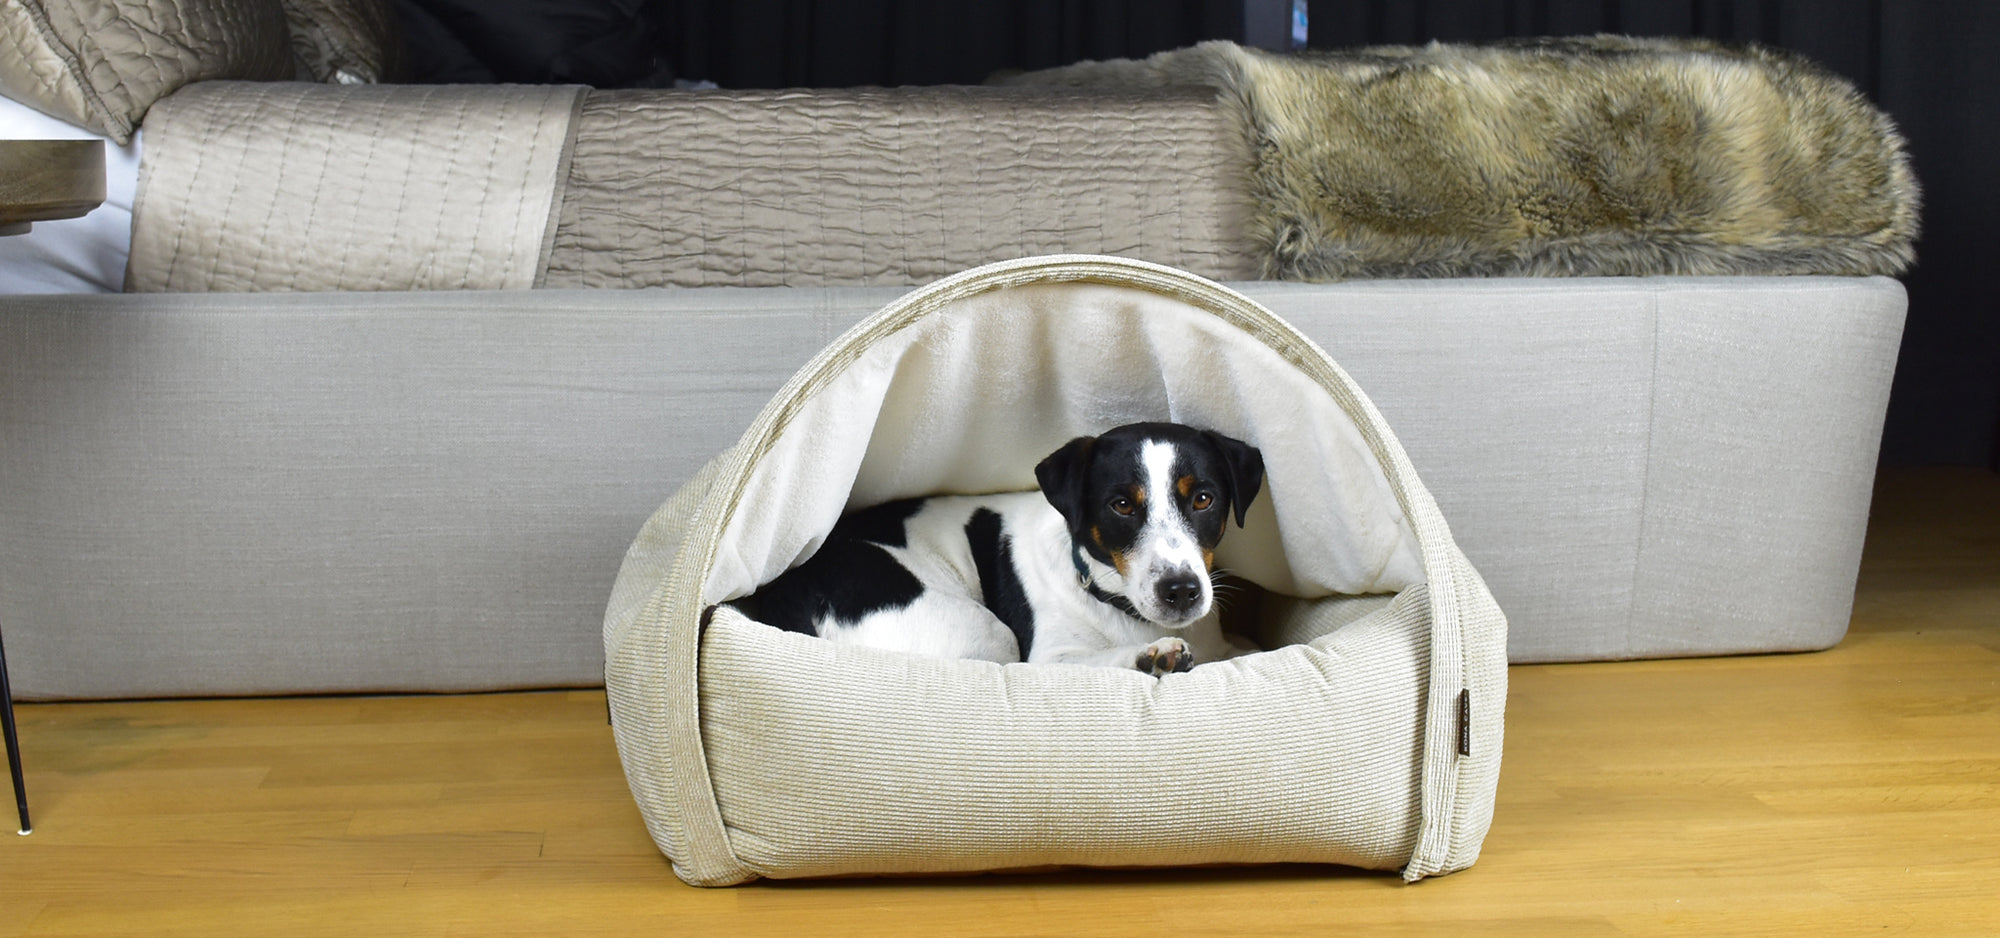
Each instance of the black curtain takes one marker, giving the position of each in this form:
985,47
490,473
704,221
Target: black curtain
845,43
1934,65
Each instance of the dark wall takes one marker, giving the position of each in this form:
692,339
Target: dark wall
1934,65
835,43
1939,75
790,43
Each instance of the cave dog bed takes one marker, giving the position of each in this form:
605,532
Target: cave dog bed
1368,734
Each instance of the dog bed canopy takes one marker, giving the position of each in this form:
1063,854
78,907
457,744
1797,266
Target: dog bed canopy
1368,734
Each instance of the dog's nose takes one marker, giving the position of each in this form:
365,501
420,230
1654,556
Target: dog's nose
1180,593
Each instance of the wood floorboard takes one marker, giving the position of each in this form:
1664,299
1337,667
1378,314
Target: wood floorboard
1849,792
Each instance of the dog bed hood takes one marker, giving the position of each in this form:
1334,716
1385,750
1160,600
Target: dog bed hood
967,397
1372,740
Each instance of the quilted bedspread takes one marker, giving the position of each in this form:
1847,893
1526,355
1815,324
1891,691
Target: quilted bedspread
288,186
250,186
874,187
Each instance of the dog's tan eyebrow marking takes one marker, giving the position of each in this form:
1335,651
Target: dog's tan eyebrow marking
1139,495
1184,485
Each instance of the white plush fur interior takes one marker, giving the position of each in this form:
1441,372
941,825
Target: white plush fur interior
969,399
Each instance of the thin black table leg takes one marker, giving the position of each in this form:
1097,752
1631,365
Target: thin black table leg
13,742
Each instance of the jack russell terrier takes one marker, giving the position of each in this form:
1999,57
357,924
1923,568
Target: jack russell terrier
1109,564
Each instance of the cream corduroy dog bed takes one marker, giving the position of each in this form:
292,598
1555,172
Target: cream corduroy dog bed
1369,735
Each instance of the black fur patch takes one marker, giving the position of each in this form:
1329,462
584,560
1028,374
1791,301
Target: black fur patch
849,577
883,524
1085,476
999,583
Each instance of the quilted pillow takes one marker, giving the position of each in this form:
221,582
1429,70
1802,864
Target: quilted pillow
101,63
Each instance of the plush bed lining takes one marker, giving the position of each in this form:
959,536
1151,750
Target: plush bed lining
969,399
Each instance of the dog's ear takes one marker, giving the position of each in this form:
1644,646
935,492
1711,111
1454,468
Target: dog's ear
1062,476
1245,466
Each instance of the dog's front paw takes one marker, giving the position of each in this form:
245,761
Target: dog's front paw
1165,657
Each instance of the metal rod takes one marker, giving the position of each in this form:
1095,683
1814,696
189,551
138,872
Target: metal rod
13,743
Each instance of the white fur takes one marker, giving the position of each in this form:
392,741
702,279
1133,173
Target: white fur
1166,546
951,620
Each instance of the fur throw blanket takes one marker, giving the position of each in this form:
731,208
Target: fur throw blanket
1605,156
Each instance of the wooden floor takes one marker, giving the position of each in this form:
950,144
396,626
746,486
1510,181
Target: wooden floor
1851,792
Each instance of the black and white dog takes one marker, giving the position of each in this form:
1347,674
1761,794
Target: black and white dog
1109,564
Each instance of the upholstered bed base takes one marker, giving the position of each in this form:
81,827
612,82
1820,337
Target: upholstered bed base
215,494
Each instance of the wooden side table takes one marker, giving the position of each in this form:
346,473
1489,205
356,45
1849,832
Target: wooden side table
41,180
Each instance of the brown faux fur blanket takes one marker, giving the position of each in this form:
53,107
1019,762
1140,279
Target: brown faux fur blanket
1605,156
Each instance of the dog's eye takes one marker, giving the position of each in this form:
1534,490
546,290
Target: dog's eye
1202,500
1122,505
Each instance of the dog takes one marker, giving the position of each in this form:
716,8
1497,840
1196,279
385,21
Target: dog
1111,563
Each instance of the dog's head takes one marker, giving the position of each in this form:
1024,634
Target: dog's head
1150,500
